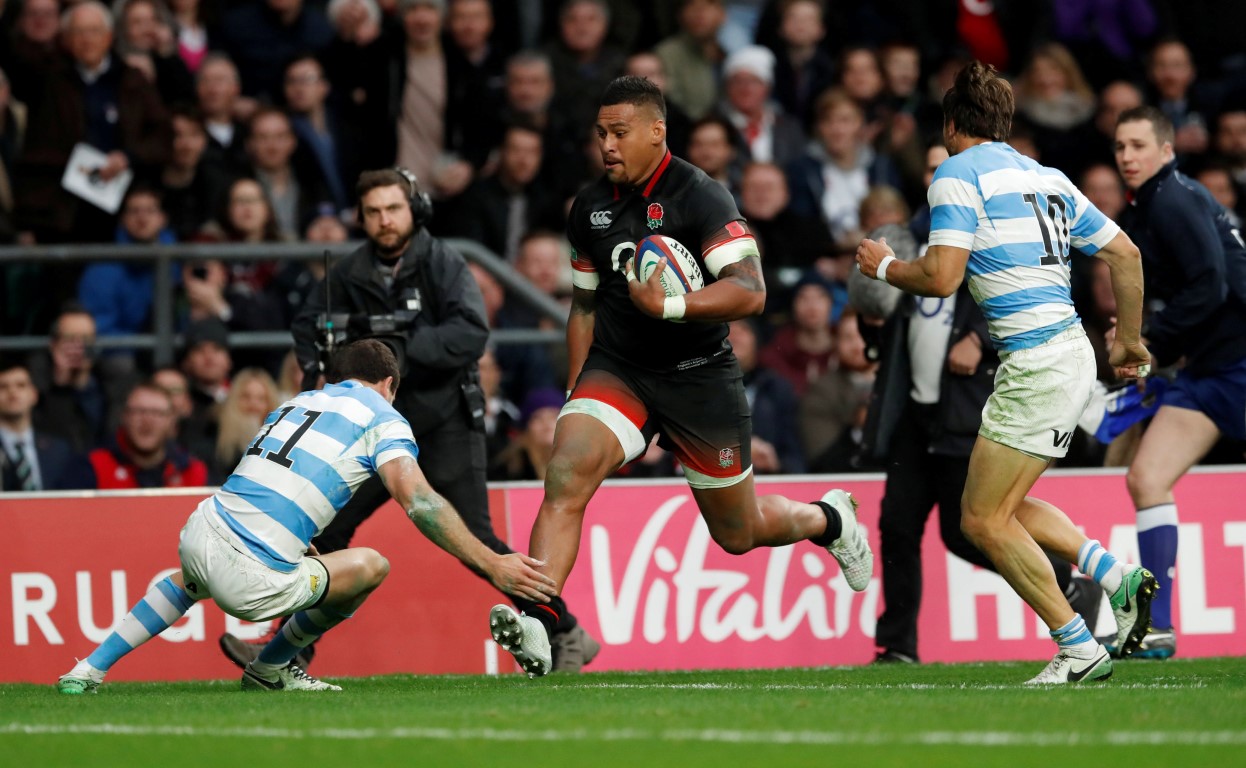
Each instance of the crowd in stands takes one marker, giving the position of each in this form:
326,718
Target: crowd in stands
248,121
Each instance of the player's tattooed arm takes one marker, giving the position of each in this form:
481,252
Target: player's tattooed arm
745,273
580,331
583,301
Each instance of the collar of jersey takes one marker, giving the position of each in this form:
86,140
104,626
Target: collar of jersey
653,180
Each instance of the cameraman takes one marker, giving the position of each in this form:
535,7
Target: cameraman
438,329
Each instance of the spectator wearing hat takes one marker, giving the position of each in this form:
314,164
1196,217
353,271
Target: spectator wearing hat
767,132
142,453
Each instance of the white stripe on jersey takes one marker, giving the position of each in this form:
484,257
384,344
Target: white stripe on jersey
1010,280
1005,181
952,191
343,405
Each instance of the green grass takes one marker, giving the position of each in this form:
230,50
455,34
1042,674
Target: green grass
1175,713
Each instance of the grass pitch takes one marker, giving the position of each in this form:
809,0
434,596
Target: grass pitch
1175,713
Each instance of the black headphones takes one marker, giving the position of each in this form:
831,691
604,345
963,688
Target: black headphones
421,204
418,201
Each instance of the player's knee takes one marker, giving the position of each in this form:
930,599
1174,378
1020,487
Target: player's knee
974,526
1140,484
375,566
568,477
733,541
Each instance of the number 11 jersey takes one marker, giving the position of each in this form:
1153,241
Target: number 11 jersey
308,459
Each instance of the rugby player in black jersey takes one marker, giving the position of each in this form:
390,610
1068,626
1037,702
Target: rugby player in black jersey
643,364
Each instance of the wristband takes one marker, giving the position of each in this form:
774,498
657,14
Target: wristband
881,274
673,308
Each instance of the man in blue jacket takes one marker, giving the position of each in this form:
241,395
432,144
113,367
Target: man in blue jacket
1195,263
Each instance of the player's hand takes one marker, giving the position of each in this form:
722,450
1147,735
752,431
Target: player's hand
870,254
516,574
649,296
964,356
1130,361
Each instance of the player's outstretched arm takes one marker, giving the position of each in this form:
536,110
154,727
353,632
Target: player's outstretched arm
938,272
514,574
1128,356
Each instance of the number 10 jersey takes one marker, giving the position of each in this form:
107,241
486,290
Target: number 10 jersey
1018,220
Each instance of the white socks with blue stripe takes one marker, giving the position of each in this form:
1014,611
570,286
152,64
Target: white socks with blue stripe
159,609
1099,564
1075,638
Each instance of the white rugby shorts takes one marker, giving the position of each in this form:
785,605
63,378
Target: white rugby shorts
214,566
1040,393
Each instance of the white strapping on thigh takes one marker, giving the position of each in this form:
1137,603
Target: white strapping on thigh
700,480
628,434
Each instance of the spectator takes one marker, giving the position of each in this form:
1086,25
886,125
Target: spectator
119,294
776,443
193,186
146,42
100,101
72,403
833,408
1102,186
262,37
475,73
245,215
1189,105
31,460
325,149
354,63
1054,100
649,65
919,225
529,93
692,57
174,383
803,68
498,210
293,189
1231,147
191,27
789,243
252,396
424,135
528,455
12,136
804,348
861,79
218,90
33,50
582,60
143,454
543,262
242,296
768,133
501,415
909,117
1219,183
206,363
712,149
839,168
1115,98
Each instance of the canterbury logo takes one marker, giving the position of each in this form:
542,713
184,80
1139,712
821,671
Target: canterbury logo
1061,440
599,219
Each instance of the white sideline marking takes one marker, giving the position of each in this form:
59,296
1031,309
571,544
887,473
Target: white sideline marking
921,738
864,687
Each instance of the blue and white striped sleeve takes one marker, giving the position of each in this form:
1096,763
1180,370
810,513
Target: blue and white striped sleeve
1091,230
393,440
956,206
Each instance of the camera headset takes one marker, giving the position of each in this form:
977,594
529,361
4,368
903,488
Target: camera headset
418,201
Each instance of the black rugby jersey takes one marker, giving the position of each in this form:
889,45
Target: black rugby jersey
606,222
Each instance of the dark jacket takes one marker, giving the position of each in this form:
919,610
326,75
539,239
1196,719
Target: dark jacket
958,414
774,406
60,467
1195,264
444,341
58,121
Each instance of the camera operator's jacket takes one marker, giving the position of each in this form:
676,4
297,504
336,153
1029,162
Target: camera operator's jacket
443,344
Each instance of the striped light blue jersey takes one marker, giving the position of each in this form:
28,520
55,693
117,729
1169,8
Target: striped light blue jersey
1018,220
306,462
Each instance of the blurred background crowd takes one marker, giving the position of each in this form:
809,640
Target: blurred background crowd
248,121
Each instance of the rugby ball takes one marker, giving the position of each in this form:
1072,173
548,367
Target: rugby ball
682,274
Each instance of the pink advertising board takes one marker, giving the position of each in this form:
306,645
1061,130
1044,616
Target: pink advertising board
661,595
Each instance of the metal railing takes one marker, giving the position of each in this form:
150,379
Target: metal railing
163,339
